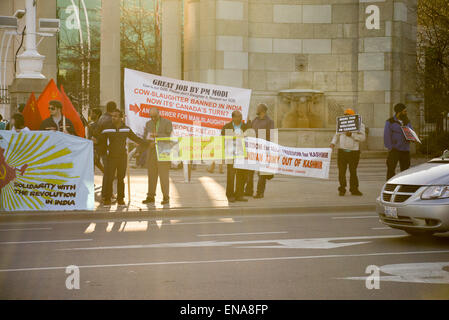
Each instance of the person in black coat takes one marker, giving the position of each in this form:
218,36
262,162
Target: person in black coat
112,144
238,176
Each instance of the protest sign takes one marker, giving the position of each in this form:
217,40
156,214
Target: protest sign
269,157
349,123
42,170
194,108
200,148
409,134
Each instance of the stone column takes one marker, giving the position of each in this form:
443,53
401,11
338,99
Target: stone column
386,64
216,42
110,52
191,39
171,38
47,9
231,45
24,83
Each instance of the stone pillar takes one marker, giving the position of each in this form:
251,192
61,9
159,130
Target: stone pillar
191,39
216,42
231,43
171,38
386,64
110,52
47,9
20,88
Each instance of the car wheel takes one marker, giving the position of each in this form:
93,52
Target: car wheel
419,233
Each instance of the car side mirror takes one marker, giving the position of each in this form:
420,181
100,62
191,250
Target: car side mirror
445,154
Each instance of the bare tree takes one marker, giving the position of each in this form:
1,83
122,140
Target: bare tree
433,58
140,45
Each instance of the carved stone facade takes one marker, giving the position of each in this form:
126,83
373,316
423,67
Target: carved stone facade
288,51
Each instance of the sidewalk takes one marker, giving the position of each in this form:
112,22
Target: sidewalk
207,191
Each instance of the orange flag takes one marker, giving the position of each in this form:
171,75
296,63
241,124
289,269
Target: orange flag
69,111
50,92
31,114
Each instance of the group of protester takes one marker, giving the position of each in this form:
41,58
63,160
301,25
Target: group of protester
110,134
348,145
56,121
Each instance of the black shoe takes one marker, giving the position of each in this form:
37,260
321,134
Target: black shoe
356,193
231,199
341,193
165,201
148,201
120,202
242,199
258,196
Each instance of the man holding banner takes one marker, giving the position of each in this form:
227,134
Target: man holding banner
348,155
262,125
113,144
235,128
157,127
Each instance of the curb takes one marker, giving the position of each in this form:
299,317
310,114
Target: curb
176,213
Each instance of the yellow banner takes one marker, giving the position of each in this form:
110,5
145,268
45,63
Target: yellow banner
200,148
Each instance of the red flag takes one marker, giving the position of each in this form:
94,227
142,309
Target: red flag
50,92
31,114
69,111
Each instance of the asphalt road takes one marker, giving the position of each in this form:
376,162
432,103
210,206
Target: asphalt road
294,256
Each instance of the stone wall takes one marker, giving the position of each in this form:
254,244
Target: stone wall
270,46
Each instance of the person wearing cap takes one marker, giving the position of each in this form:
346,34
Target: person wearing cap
57,121
348,144
396,143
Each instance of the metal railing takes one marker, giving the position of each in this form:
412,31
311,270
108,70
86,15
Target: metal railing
433,135
4,96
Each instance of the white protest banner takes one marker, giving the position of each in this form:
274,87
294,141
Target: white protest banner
269,157
194,108
43,171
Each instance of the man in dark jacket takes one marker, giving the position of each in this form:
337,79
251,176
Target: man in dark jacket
113,144
92,134
235,192
106,118
57,121
396,143
104,121
262,125
157,127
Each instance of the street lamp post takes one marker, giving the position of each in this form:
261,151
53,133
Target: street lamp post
30,61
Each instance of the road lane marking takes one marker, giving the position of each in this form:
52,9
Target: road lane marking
310,243
356,217
238,234
205,222
230,260
427,272
45,241
25,229
105,221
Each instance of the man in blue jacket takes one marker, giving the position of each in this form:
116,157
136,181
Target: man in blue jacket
396,143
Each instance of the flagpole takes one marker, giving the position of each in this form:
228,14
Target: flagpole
127,173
